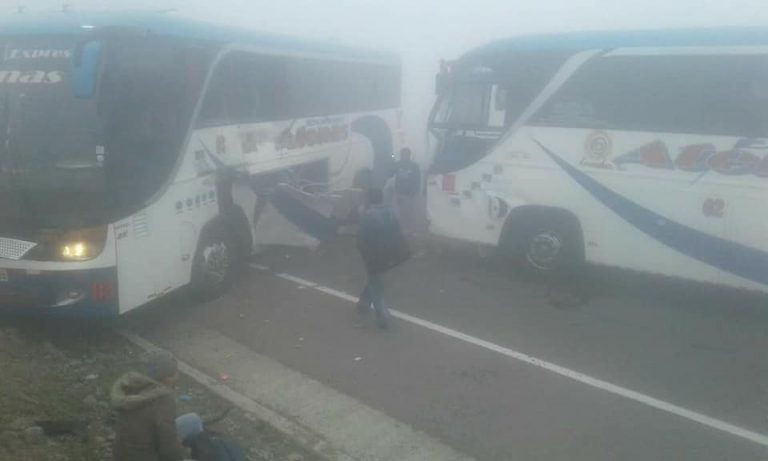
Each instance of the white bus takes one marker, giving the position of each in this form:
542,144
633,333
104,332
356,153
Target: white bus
643,150
139,153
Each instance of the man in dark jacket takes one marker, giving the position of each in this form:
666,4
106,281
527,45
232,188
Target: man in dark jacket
382,246
146,413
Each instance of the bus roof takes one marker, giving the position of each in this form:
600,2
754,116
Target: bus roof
77,23
575,41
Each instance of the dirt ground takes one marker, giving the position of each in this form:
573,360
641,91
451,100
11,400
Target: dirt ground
54,397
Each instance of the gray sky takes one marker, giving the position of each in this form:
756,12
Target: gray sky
423,31
444,26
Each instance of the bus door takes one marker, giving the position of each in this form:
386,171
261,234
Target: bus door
147,256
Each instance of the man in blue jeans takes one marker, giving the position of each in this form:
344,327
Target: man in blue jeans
382,247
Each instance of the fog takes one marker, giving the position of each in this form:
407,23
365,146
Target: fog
425,31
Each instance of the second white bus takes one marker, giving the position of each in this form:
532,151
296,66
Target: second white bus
642,150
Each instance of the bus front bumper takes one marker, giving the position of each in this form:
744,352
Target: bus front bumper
78,293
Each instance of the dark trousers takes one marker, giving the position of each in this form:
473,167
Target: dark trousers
373,294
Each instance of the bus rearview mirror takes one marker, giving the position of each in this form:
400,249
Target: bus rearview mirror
86,69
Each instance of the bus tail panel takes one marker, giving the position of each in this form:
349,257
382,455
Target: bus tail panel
80,293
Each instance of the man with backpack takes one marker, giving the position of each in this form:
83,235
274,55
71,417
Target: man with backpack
382,247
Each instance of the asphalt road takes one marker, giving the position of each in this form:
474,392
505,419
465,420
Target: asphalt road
695,347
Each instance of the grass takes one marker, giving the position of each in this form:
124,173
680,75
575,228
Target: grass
48,384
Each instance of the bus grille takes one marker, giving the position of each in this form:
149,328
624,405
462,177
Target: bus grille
14,249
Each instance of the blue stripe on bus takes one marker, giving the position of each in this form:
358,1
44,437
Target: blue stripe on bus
304,217
735,258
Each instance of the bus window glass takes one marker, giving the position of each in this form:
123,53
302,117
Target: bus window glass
146,110
51,174
254,90
712,95
524,78
249,87
467,105
318,87
214,110
264,91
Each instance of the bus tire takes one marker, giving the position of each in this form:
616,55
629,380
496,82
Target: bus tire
216,262
546,244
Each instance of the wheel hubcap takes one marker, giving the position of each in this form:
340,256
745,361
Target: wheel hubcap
215,263
543,250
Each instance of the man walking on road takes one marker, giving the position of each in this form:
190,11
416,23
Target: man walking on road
407,186
382,247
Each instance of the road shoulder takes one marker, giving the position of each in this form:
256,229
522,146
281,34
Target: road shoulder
327,422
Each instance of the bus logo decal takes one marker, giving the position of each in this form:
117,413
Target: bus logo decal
597,149
307,136
749,263
748,156
17,53
30,77
653,155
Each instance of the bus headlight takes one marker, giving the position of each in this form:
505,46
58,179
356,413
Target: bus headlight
80,245
76,251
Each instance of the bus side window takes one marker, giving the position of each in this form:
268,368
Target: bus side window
259,88
214,108
248,87
245,88
144,110
320,87
698,94
498,112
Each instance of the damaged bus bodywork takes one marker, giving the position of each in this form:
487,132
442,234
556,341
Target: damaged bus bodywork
145,153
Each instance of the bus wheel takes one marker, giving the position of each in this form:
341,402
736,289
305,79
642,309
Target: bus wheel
549,246
215,263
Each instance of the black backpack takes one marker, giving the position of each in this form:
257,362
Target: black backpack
381,242
212,446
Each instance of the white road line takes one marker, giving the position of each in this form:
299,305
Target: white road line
554,368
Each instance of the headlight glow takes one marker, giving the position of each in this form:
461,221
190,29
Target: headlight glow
77,251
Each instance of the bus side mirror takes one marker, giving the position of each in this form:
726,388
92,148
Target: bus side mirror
85,69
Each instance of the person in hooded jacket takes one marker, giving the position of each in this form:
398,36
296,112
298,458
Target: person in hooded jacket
382,247
146,427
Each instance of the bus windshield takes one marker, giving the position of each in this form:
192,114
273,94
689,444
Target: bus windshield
465,106
51,153
148,92
68,163
482,101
